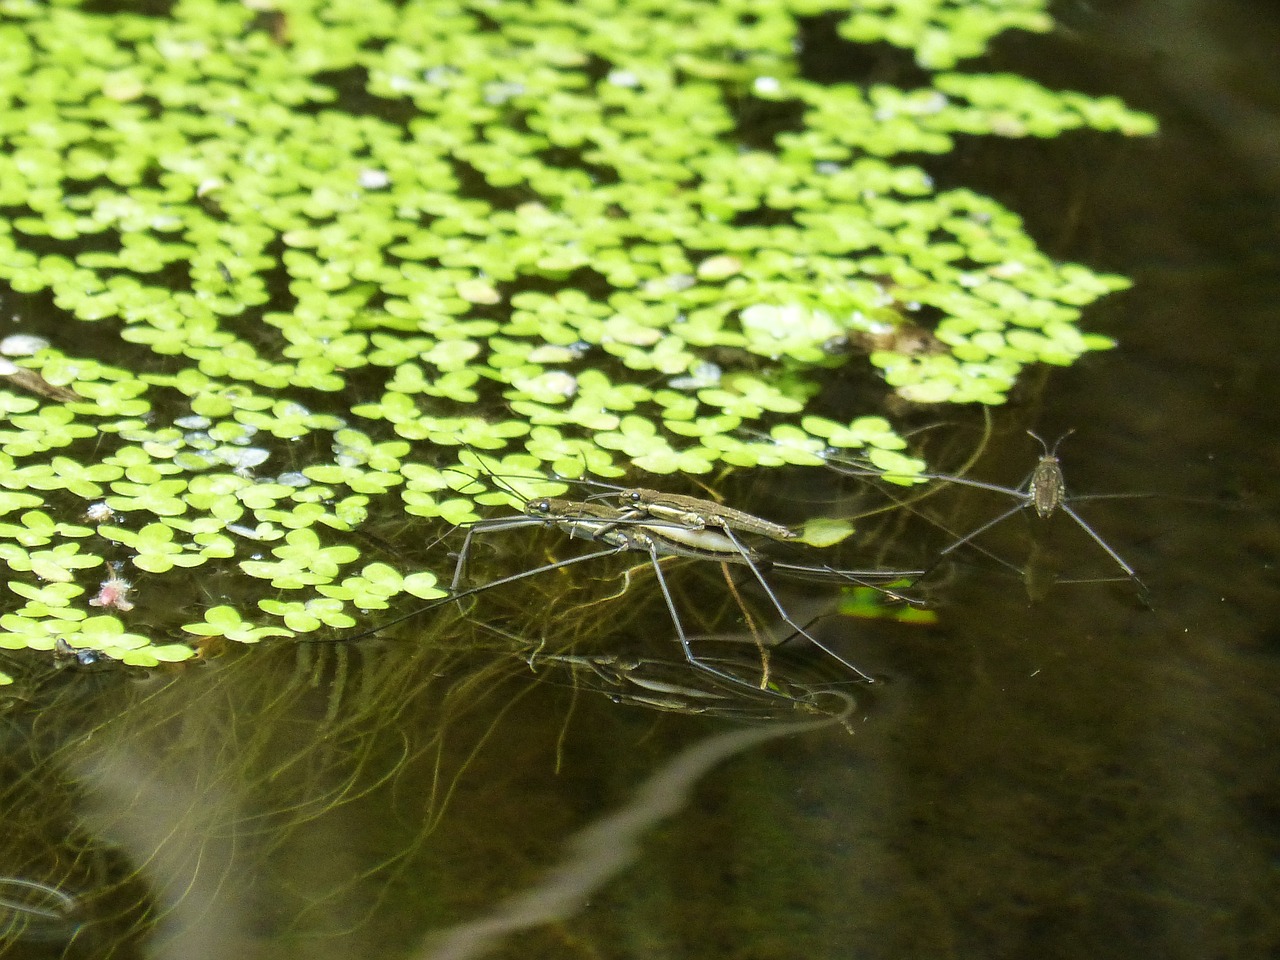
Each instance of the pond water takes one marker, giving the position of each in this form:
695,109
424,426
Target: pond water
1074,776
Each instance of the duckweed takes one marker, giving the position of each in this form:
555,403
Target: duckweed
298,278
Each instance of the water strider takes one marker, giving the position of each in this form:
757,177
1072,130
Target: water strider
686,511
621,530
685,526
601,524
694,512
1044,491
660,539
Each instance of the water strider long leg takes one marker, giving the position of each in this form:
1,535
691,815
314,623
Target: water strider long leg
1143,594
862,578
485,526
782,611
689,655
978,532
472,591
761,647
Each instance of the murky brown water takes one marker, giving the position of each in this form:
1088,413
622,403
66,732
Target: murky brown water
1075,777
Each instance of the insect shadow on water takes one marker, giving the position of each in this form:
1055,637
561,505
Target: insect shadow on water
622,531
1043,491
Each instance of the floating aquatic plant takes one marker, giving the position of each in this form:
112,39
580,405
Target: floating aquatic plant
293,272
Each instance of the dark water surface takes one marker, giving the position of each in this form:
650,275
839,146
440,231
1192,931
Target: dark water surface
1075,777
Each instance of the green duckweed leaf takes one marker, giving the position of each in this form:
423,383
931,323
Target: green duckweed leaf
225,621
825,531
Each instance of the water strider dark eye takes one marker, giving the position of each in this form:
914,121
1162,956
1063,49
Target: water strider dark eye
543,506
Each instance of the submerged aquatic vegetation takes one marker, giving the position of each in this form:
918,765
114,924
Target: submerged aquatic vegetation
93,851
293,260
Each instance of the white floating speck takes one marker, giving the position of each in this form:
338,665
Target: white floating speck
247,532
22,345
242,458
497,94
98,512
1007,270
703,375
